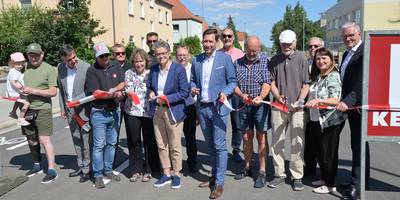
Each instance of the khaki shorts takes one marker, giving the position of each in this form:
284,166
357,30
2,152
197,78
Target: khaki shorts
41,126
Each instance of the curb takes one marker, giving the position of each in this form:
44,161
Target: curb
13,122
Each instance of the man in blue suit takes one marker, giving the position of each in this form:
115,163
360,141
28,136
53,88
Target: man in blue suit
213,79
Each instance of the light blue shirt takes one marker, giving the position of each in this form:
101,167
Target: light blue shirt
206,75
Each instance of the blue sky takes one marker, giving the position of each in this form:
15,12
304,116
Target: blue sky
256,17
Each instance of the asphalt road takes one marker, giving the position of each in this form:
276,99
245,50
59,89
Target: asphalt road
385,173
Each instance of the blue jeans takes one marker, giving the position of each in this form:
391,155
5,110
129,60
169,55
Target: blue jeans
213,127
105,126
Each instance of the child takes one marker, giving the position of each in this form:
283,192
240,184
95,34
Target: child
15,85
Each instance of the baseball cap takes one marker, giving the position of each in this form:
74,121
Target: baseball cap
100,48
287,36
34,48
17,57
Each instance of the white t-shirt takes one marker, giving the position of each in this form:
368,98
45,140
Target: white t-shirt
15,75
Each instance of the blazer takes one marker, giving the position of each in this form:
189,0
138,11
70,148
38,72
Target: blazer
176,89
353,77
78,91
223,79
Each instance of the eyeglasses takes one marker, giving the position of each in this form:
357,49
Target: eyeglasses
349,35
313,46
182,55
119,53
151,41
227,36
103,56
162,53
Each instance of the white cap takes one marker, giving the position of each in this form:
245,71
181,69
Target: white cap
287,36
100,48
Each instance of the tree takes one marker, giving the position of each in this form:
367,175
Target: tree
193,42
232,26
293,19
69,23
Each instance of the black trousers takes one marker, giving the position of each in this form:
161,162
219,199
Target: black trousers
134,126
310,158
354,118
326,146
189,130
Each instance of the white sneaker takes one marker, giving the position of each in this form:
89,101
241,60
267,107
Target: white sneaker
22,122
324,190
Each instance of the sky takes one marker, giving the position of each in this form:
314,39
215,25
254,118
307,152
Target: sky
256,17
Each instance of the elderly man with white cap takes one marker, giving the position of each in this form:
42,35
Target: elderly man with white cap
108,80
290,84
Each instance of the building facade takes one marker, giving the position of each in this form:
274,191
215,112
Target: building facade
125,20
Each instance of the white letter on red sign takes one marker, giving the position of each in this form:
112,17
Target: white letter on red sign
395,119
378,119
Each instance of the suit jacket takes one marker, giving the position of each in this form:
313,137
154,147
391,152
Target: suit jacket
78,90
353,78
176,89
223,78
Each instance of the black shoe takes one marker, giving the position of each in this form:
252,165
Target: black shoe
243,174
49,178
260,182
75,173
346,186
84,178
98,182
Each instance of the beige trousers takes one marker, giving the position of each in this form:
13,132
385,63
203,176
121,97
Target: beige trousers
293,123
168,137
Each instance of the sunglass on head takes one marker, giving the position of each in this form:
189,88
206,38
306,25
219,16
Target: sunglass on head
119,53
227,36
103,55
151,41
311,46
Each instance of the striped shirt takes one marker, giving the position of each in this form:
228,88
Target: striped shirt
252,77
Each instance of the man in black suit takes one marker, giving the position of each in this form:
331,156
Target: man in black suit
351,73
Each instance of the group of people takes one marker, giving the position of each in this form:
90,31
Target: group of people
159,98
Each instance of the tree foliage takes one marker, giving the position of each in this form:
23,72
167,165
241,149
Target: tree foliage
232,26
69,23
293,20
194,44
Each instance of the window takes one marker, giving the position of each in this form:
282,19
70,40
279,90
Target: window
159,16
130,7
166,17
151,3
132,39
141,10
151,26
143,42
26,3
336,23
175,27
358,17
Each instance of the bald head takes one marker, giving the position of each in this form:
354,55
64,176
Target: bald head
252,48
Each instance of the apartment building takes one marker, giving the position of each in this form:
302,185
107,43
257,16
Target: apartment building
125,20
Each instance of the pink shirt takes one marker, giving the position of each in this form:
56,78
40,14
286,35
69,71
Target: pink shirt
235,53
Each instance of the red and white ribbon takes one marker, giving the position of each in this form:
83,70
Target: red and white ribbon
14,99
164,98
87,99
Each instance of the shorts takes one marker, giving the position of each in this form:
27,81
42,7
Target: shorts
41,126
257,117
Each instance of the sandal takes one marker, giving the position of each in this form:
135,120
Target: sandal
146,177
135,177
324,189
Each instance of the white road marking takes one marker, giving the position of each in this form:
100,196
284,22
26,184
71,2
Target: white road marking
17,146
118,170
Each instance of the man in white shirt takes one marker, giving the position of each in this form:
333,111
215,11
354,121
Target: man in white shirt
189,125
71,83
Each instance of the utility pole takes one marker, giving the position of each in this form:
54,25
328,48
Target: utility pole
113,19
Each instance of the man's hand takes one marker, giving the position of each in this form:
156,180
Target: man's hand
282,99
195,91
342,107
298,105
27,90
257,101
63,115
222,97
246,99
119,95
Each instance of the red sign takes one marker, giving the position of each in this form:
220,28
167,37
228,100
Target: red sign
384,84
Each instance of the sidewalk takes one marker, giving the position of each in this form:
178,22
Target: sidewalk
6,106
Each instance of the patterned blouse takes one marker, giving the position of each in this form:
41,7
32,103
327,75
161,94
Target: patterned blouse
324,88
137,84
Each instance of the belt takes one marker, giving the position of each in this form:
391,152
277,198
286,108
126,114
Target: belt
106,107
206,104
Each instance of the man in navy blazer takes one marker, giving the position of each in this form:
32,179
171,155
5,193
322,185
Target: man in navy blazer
213,79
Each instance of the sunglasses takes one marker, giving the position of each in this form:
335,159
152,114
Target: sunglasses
119,53
151,41
311,46
227,36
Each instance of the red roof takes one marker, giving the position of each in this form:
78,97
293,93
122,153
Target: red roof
240,36
179,11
